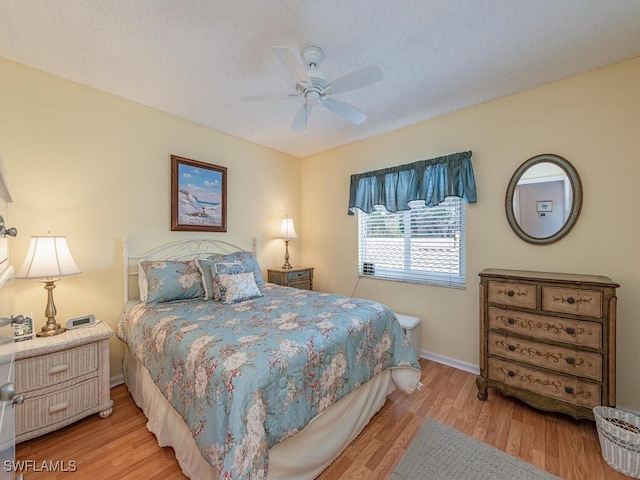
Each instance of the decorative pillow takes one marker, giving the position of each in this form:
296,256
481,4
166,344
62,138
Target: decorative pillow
238,287
205,265
248,261
170,280
223,268
208,269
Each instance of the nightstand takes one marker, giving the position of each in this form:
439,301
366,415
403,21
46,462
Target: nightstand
296,277
62,378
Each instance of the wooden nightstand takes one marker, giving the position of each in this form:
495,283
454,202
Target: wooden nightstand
63,379
296,277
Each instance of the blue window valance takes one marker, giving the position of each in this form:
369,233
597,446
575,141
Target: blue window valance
429,180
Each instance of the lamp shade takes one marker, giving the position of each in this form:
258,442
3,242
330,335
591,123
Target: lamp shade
48,257
287,230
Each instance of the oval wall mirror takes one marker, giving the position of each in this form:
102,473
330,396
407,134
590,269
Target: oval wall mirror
544,199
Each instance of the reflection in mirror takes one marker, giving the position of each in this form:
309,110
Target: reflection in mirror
544,199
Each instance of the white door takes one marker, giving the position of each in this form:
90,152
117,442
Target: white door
7,389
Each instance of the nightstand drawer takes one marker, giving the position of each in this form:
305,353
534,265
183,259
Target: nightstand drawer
298,275
50,369
55,407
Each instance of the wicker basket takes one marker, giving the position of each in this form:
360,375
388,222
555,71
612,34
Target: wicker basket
619,434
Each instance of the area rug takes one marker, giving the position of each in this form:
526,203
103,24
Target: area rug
440,452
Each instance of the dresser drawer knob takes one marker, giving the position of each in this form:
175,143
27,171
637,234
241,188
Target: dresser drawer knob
511,321
571,360
58,407
571,300
570,330
511,293
511,348
58,369
511,373
569,390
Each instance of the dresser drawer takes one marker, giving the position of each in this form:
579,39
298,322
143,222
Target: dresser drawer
573,301
566,360
58,406
563,388
512,294
575,332
52,368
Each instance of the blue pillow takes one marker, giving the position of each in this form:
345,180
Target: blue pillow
248,261
171,280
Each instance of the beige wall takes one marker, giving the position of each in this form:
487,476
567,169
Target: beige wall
95,168
592,120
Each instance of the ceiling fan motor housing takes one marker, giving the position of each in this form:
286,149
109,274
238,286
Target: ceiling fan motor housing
312,57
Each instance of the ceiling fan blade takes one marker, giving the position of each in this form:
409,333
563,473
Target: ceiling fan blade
291,62
344,110
353,80
302,117
267,96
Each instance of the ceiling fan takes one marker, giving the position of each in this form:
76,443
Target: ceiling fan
312,86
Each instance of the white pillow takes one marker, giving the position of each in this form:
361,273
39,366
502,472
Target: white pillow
238,287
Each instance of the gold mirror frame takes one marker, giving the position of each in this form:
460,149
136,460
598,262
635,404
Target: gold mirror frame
576,200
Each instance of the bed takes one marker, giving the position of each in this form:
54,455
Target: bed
247,379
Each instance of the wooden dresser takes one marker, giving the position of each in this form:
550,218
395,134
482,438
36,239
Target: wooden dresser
548,339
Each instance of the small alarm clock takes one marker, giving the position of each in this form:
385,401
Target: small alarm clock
79,322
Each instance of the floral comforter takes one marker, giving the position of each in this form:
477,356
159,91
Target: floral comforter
248,375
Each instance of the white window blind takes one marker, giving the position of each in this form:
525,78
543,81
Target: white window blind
420,245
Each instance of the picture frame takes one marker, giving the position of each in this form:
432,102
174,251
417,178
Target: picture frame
544,206
198,196
23,331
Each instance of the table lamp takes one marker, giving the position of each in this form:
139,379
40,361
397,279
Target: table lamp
287,232
48,257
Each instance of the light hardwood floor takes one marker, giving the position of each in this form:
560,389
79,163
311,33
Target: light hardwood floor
120,447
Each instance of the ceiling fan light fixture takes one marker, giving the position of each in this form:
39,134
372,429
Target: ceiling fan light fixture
313,85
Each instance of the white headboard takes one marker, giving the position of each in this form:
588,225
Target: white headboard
179,250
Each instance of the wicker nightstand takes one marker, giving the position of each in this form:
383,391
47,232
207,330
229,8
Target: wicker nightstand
63,379
296,277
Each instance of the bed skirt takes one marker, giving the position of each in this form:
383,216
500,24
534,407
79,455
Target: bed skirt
301,457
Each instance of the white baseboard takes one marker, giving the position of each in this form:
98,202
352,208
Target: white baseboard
451,362
630,410
116,380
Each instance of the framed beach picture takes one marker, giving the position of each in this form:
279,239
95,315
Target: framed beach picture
544,206
198,196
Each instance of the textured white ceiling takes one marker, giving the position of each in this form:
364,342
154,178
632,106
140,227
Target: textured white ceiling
196,58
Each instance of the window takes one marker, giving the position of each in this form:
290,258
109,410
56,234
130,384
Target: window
421,245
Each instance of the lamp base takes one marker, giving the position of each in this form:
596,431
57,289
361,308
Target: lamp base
49,330
286,265
52,327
